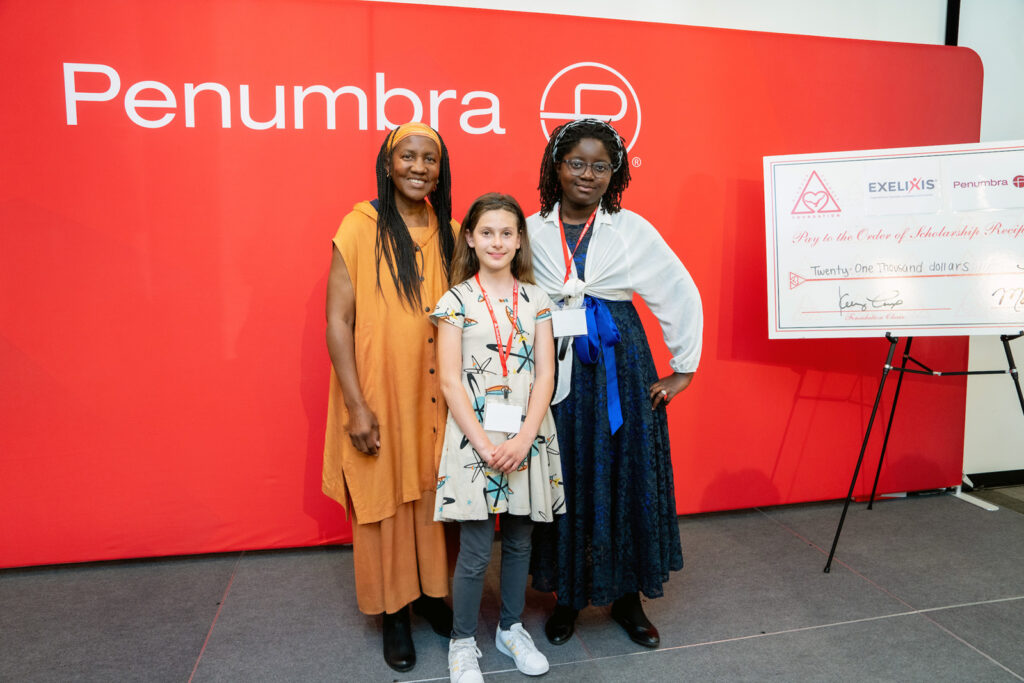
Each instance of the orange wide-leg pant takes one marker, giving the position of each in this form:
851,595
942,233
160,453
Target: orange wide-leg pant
399,558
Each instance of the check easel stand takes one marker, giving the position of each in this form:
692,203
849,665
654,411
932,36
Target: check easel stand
920,369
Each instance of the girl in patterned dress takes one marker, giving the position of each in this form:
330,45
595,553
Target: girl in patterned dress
500,454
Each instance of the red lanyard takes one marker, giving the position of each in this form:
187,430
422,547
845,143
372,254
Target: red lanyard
565,247
503,351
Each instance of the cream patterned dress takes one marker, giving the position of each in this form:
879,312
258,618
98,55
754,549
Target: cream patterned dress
466,487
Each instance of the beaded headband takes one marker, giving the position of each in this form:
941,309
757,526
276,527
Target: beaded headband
618,139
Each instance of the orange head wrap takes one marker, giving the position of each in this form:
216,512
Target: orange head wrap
409,129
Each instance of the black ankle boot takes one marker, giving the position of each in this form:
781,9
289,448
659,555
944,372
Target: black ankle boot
629,613
398,649
436,612
560,625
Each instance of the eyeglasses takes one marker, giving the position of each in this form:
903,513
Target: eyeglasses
579,167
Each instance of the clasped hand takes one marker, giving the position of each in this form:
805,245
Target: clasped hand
508,455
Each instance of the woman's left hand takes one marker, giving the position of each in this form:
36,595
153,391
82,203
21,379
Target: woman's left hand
666,388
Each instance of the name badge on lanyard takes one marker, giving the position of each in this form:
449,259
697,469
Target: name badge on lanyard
500,413
570,322
502,417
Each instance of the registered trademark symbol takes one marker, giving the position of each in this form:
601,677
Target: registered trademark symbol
636,162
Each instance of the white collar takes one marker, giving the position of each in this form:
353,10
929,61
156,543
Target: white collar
603,217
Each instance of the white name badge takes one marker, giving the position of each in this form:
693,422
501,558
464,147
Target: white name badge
503,417
569,322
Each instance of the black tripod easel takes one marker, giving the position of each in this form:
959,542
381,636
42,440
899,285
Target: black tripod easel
921,369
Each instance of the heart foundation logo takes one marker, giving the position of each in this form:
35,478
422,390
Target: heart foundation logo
815,199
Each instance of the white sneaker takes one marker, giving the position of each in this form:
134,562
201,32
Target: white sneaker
517,644
462,664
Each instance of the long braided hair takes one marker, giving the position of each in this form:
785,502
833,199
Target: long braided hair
395,243
563,139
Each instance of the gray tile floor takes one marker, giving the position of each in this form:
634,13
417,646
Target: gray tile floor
923,588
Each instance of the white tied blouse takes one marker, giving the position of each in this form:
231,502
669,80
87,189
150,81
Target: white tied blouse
626,255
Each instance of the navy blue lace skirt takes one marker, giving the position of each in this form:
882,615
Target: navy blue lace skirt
620,533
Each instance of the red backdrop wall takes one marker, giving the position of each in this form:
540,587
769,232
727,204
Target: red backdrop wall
161,287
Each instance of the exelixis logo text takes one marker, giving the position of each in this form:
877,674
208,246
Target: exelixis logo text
905,186
591,90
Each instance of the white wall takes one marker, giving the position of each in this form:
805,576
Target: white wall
907,21
994,434
994,429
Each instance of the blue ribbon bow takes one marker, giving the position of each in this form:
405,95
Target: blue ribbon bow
602,336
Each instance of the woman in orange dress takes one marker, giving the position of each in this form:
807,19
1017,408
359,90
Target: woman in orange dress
386,412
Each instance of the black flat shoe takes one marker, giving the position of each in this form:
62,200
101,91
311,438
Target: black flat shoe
560,625
437,613
399,652
629,614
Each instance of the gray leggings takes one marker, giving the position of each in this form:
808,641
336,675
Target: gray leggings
476,538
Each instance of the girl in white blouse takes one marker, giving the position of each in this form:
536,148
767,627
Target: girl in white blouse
619,536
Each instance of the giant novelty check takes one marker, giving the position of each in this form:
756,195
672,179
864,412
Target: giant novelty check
913,241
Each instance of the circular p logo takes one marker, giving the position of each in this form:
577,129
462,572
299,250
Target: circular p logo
591,90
